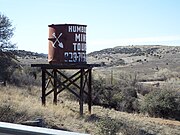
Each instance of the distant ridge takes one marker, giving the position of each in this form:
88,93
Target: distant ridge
136,54
23,54
133,48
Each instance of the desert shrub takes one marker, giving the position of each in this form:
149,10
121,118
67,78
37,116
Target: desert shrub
108,126
162,103
25,77
8,113
108,96
98,86
128,128
127,79
7,67
127,100
165,74
143,90
121,96
105,94
118,62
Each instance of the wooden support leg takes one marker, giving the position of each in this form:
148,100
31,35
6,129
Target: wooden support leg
81,92
89,91
43,98
55,86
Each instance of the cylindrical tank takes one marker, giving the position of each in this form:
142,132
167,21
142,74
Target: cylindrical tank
67,43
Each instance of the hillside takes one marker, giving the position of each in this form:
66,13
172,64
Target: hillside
28,57
126,77
65,115
144,60
132,55
150,63
151,57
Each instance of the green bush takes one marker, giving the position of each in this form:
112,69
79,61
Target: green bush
121,95
127,101
165,74
7,67
25,77
162,103
108,126
104,94
143,90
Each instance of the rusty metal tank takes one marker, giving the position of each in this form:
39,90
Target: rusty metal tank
67,43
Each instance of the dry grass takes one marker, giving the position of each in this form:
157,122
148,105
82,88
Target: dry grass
65,115
27,106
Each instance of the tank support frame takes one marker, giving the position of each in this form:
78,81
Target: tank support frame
55,80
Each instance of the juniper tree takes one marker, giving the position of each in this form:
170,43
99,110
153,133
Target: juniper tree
6,47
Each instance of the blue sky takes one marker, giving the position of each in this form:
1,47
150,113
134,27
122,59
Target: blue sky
109,23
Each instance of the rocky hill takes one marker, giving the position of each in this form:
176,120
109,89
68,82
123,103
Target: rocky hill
123,55
144,60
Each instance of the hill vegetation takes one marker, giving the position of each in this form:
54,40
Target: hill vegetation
144,60
28,54
20,104
135,91
132,55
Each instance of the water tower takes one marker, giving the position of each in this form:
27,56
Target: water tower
67,51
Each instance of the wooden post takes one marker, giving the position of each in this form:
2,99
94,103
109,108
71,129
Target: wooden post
55,86
81,92
89,91
112,77
43,98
